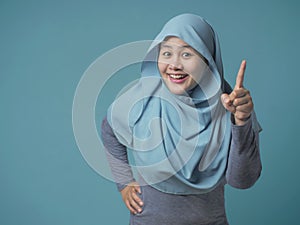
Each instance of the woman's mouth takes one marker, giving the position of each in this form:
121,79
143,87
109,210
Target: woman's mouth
178,78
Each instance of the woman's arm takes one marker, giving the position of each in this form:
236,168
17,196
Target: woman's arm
244,163
117,156
121,170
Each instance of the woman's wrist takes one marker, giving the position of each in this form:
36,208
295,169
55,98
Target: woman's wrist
239,122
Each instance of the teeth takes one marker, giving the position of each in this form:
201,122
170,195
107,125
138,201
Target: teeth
177,76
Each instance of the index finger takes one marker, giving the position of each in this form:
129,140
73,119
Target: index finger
240,75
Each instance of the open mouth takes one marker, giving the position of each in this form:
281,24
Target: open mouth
178,78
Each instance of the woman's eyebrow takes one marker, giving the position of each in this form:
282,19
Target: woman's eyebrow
170,46
165,46
187,46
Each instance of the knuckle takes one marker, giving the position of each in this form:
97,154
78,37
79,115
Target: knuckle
236,102
132,203
251,105
135,197
129,206
244,93
234,93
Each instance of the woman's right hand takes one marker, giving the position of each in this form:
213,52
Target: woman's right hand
131,198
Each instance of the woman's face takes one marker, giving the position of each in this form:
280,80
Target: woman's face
180,66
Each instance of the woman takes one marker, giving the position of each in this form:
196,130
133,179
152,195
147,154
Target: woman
188,131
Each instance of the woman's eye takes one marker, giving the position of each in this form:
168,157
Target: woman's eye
186,54
166,54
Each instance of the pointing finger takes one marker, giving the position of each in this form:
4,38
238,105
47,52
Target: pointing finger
240,75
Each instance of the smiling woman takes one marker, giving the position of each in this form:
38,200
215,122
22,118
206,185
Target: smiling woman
180,65
188,131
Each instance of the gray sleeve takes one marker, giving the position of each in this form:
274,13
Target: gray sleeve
244,163
117,156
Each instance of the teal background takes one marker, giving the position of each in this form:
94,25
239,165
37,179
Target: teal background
45,47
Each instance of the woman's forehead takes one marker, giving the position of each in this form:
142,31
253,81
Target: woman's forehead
175,41
176,44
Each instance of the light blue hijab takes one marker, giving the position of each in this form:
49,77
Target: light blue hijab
180,143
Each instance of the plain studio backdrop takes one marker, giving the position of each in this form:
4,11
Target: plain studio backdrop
45,47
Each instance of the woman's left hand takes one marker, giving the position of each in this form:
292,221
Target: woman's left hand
239,101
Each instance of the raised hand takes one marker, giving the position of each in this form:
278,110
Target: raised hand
239,101
131,198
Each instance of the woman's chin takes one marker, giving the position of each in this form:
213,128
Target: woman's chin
176,89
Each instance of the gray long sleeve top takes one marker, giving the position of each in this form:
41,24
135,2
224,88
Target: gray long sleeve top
243,168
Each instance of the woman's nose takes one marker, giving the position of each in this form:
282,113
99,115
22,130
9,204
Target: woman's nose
175,65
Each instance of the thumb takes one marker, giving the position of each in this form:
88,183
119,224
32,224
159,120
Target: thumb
227,103
225,99
137,188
